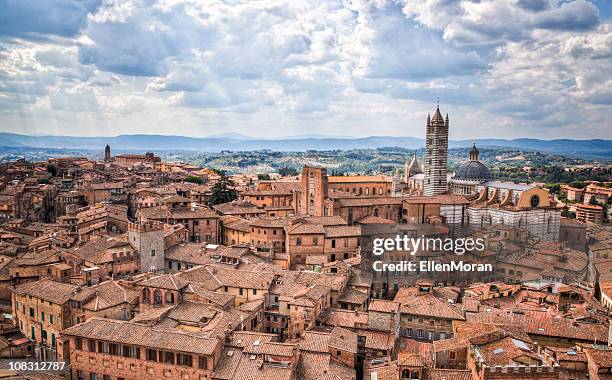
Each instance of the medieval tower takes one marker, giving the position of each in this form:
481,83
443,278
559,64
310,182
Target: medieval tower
436,155
107,153
147,238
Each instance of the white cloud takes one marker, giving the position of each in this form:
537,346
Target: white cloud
282,67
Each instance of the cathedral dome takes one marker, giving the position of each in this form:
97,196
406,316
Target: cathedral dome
473,171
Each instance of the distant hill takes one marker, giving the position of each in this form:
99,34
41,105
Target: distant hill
581,148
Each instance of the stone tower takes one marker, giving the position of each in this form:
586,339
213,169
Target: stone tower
148,239
107,153
436,155
313,191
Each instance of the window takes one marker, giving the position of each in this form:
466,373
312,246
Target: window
184,359
51,318
333,243
535,201
93,376
31,312
254,292
42,315
103,347
78,343
152,355
92,345
202,362
152,253
298,241
168,357
240,291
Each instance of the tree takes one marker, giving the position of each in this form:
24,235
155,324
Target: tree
578,184
263,177
554,188
194,179
287,171
223,191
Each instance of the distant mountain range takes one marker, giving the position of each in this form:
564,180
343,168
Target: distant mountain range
596,148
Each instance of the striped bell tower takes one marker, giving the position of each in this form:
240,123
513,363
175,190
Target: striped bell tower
436,154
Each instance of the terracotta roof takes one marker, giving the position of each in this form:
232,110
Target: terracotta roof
278,349
238,208
48,290
343,339
353,296
409,359
426,305
384,306
379,340
164,281
344,318
542,323
342,231
305,228
602,358
108,294
359,179
140,335
449,374
250,342
508,351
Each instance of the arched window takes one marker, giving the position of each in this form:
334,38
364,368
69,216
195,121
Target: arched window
170,297
157,297
535,201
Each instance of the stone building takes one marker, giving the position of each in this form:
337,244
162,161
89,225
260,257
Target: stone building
104,348
586,213
147,238
107,153
516,205
313,191
41,310
435,162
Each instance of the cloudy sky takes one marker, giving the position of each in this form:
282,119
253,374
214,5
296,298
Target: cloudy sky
503,68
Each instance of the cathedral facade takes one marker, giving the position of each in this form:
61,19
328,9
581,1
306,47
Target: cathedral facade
435,162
